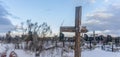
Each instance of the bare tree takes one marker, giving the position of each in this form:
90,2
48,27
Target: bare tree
45,30
36,31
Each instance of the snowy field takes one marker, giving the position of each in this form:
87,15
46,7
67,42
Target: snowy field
57,52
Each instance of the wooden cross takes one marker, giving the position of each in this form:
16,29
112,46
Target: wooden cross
75,29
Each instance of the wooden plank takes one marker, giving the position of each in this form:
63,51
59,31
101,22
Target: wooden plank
67,29
83,29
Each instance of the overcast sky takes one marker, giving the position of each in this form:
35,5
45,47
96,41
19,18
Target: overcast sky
100,15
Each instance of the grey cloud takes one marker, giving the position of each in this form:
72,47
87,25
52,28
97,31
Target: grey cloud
5,23
3,11
105,20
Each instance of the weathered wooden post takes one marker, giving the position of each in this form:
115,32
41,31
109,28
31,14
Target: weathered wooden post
75,29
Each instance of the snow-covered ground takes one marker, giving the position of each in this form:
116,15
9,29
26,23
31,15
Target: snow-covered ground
57,52
100,53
